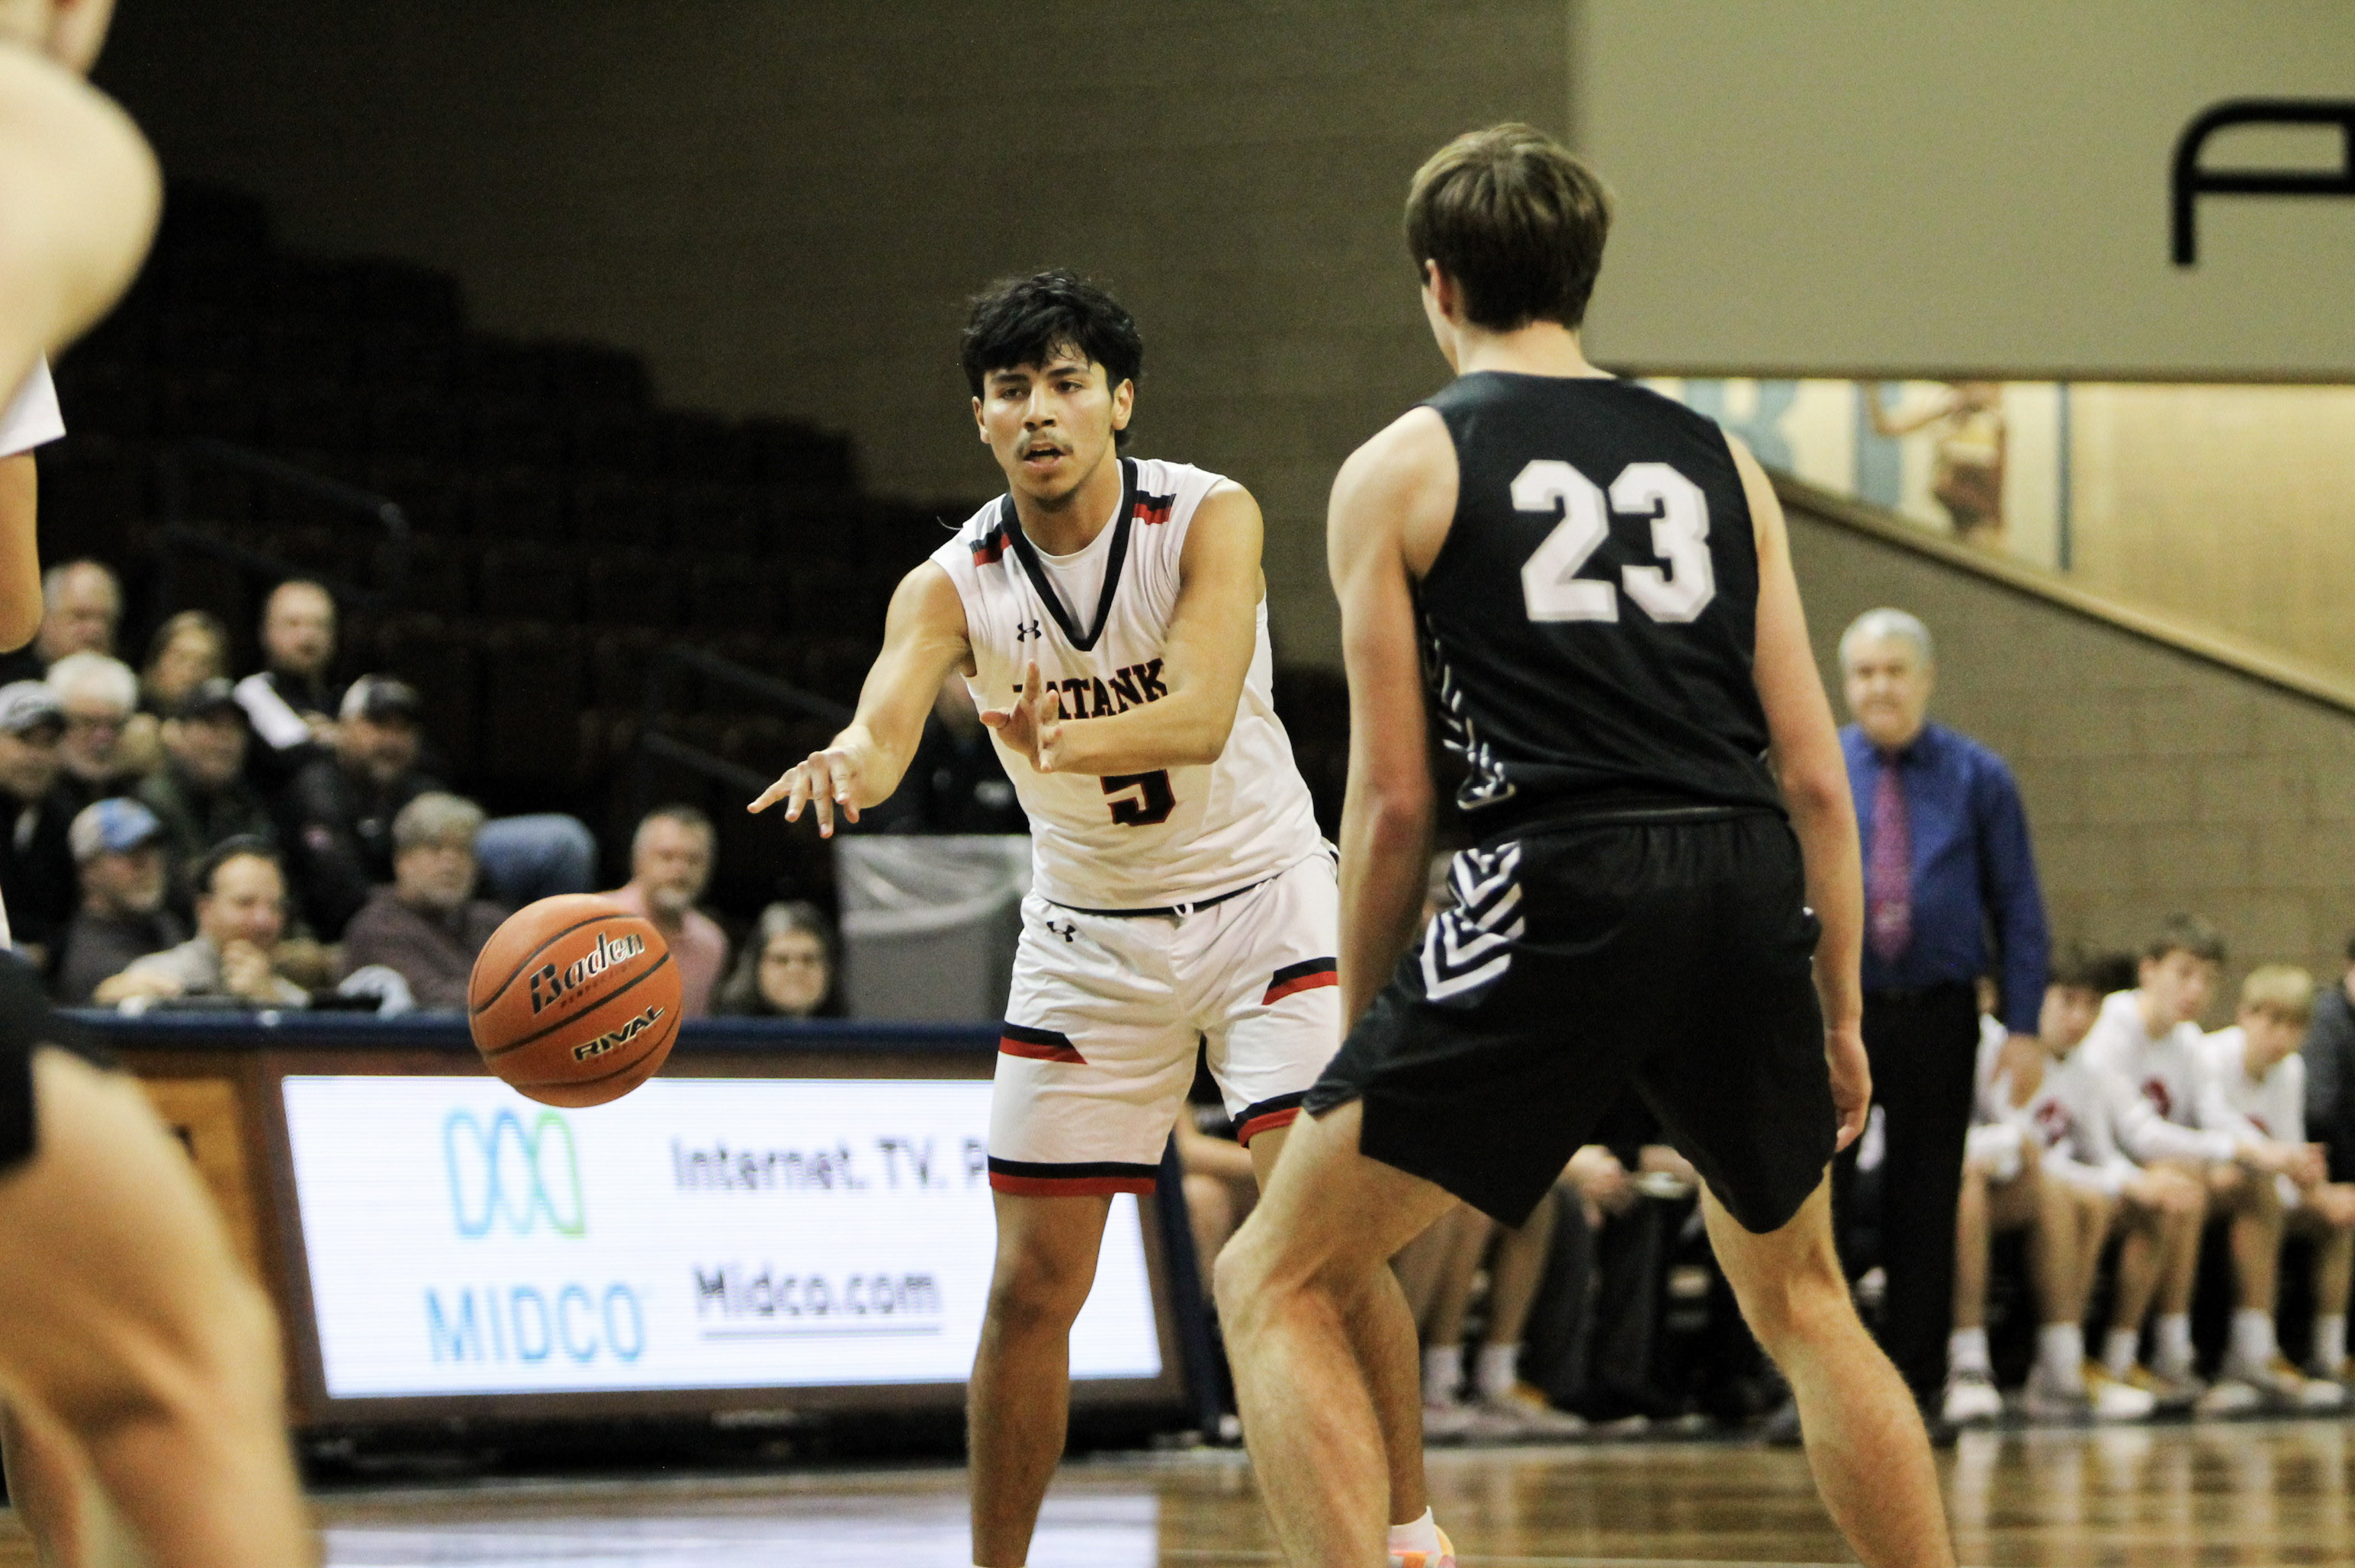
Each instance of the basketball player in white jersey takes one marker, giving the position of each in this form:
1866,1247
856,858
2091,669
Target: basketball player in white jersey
135,1360
1108,614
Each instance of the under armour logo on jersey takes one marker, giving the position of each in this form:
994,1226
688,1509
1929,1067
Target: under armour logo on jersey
1026,630
1469,946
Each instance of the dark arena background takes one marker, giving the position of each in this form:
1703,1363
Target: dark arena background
598,363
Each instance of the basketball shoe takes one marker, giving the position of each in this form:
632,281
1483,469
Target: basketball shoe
1443,1558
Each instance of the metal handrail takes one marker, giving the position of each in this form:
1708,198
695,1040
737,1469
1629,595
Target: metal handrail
179,532
653,744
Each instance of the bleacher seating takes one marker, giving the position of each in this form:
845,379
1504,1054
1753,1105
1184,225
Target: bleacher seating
565,525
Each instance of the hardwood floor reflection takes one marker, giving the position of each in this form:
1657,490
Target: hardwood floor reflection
2215,1495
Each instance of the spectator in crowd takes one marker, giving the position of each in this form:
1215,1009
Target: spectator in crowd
2040,1158
2166,1109
2254,1063
117,846
81,609
36,868
1947,864
2329,1057
100,694
291,701
786,969
200,793
670,865
189,649
955,783
240,915
428,926
336,818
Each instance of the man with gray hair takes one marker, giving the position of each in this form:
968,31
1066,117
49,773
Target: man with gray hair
1947,863
428,926
100,694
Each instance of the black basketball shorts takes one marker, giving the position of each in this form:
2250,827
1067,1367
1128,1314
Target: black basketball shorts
27,1023
1669,953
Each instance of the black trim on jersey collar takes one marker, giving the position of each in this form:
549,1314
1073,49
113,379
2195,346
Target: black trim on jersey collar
1012,526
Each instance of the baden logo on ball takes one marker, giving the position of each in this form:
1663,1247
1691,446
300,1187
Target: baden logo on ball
574,1000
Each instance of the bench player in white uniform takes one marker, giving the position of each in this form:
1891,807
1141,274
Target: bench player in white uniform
2257,1067
2040,1158
2166,1110
1108,614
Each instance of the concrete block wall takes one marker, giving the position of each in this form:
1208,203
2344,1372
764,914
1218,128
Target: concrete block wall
2155,780
784,204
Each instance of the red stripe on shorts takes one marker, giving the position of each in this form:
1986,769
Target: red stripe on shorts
1069,1186
1038,1044
1304,976
1266,1123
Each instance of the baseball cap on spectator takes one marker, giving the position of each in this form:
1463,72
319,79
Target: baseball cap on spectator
380,699
27,705
208,698
115,826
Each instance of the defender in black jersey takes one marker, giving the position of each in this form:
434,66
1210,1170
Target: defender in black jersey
1589,589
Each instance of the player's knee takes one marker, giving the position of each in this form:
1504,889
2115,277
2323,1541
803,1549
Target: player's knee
1039,1290
1799,1305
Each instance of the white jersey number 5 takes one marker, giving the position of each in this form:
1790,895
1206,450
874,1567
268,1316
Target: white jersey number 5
1550,586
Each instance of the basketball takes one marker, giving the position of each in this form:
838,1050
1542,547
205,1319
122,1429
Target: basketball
574,1000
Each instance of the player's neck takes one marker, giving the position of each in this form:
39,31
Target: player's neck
1541,349
1071,522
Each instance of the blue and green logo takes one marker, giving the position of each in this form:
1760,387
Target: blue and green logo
516,1179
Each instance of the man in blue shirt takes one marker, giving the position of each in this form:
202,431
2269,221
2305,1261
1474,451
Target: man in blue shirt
1950,895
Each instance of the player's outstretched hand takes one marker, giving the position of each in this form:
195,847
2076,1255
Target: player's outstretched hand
1851,1082
825,779
1034,725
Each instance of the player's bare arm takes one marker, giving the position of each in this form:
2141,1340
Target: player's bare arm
83,193
1391,507
1212,633
923,640
1814,778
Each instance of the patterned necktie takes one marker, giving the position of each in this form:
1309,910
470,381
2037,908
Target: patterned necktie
1889,869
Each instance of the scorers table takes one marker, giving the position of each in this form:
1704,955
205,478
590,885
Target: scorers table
791,1220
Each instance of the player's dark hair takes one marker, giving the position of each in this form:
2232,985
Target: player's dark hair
1023,321
2185,934
2082,967
1517,220
243,845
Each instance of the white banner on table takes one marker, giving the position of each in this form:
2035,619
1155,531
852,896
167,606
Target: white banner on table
740,1232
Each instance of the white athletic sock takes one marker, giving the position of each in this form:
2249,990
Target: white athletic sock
2060,1352
2172,1355
1443,1373
2118,1351
2253,1336
1416,1535
1497,1370
1967,1351
2330,1340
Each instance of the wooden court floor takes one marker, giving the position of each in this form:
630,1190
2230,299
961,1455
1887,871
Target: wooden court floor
2234,1494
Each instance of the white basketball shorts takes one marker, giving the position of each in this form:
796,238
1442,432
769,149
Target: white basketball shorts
1104,1013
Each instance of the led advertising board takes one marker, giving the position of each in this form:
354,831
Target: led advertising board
698,1234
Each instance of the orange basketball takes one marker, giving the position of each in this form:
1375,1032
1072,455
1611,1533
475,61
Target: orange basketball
574,1000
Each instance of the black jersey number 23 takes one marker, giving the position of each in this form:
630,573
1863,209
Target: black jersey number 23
1676,590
